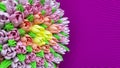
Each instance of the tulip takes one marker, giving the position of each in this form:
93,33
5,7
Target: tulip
10,5
27,40
47,21
8,52
59,49
30,58
14,34
64,40
49,57
16,18
3,36
55,28
17,64
37,29
20,48
48,9
3,18
36,48
53,41
38,19
39,40
40,61
26,25
46,48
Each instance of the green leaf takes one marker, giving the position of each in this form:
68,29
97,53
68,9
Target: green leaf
20,8
21,57
52,21
59,21
1,47
30,17
31,1
52,50
9,26
44,26
21,32
42,2
57,36
2,7
58,55
29,48
5,63
64,34
12,42
53,10
40,54
46,42
16,0
46,64
43,12
33,64
54,65
33,35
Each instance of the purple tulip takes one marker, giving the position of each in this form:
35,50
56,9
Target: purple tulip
48,9
17,64
3,36
65,21
20,48
39,61
8,52
64,40
59,49
10,5
30,57
59,13
3,18
49,57
36,7
23,2
28,10
14,34
32,9
17,18
50,65
66,29
57,60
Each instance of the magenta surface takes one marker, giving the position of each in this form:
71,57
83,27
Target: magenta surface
95,33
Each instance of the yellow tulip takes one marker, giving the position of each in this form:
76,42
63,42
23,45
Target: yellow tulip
42,35
37,29
39,40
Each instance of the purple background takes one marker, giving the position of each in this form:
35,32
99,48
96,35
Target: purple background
95,33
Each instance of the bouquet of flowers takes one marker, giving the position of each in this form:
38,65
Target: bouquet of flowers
33,34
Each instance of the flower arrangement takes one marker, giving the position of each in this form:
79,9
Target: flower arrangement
33,34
